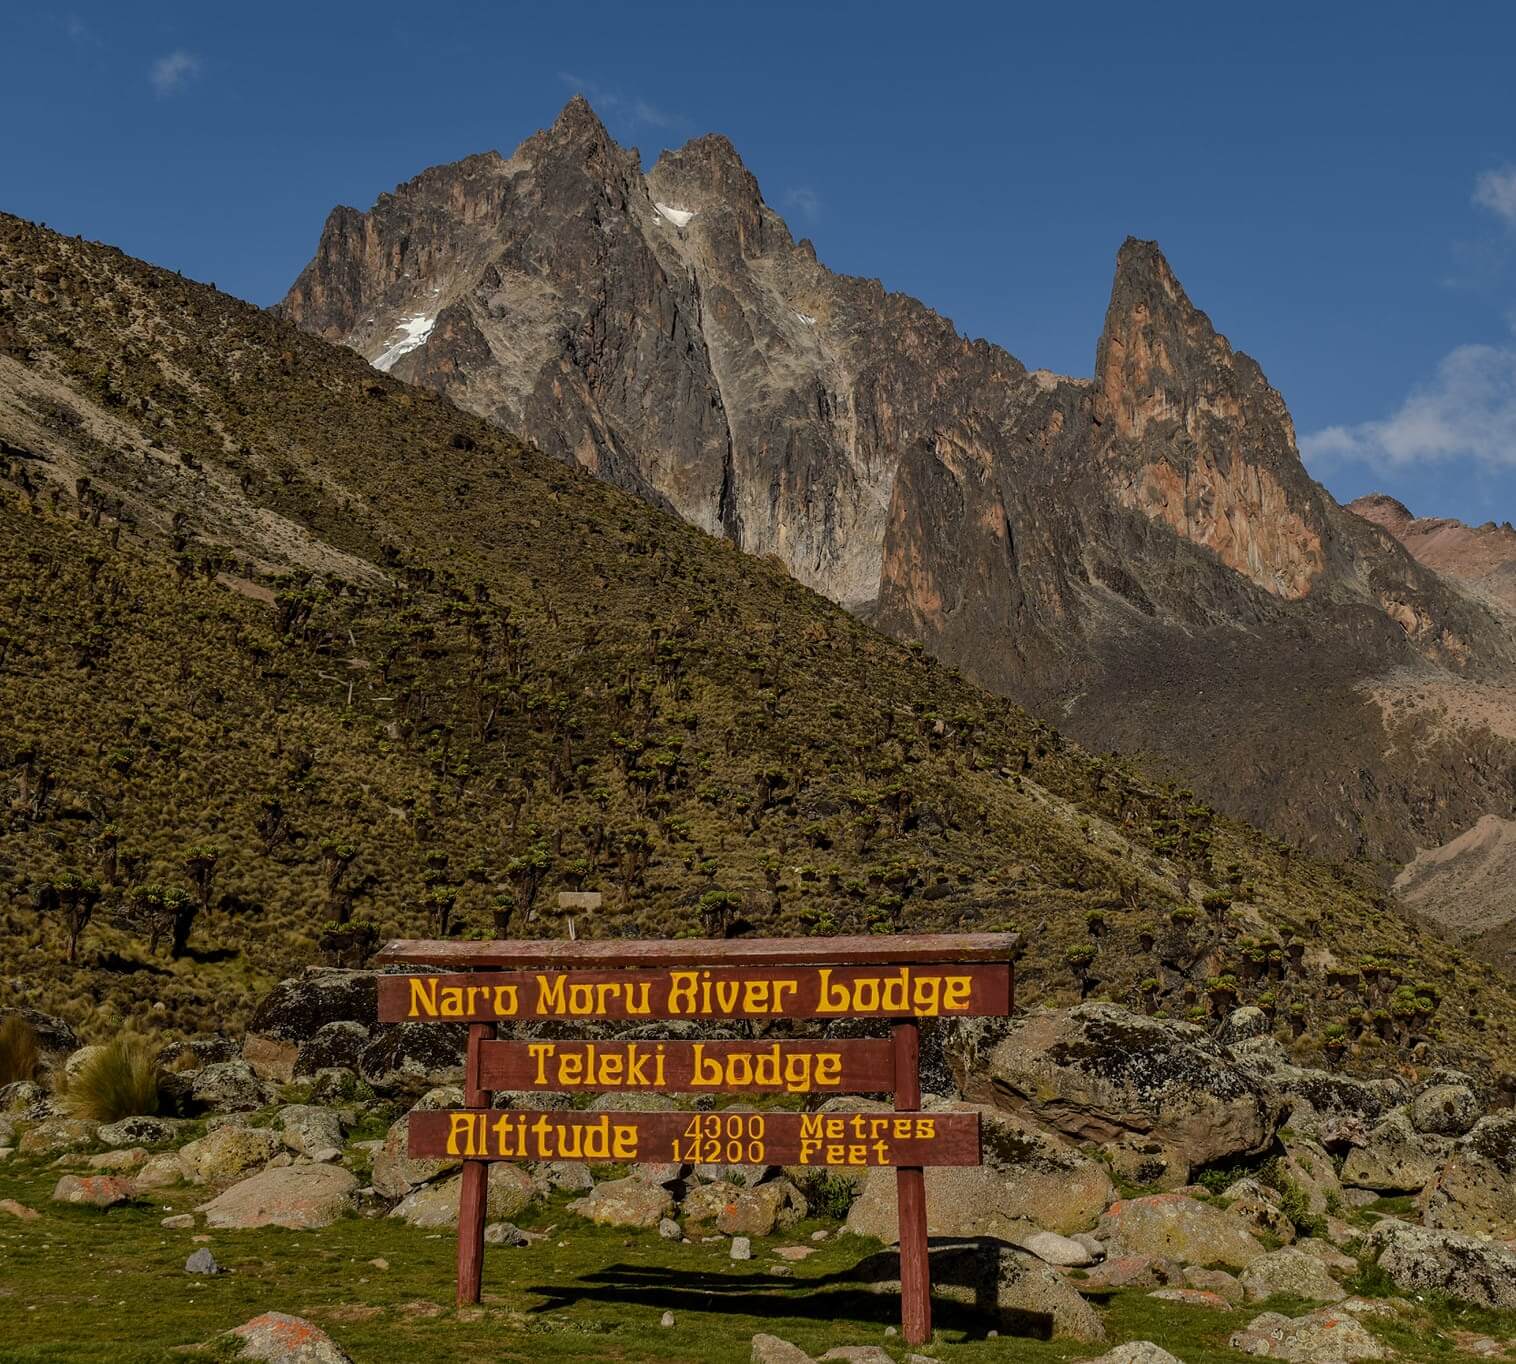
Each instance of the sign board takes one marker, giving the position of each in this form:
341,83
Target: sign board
899,979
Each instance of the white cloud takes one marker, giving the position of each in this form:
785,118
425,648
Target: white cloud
1496,191
1467,410
171,73
806,202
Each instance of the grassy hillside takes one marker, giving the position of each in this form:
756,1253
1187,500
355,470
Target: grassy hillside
328,659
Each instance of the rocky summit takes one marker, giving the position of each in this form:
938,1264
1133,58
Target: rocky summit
1139,555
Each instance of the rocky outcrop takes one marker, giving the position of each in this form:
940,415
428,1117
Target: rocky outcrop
1142,550
1395,1158
1097,1071
1484,557
1469,1268
1180,1228
1475,1190
297,1009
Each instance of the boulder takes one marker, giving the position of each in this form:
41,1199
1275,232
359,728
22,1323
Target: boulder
1132,1271
1017,1291
19,1211
1179,1228
1242,1025
505,1234
139,1131
334,1085
1097,1071
1326,1336
1053,1249
307,1128
1445,1110
1328,1254
54,1135
228,1087
1258,1207
228,1153
509,1192
337,1045
1146,1162
206,1049
1217,1281
295,1010
161,1171
298,1197
277,1338
1475,1191
76,1061
1193,1297
736,1211
55,1038
1136,1352
202,1262
132,1158
1307,1165
742,1248
772,1350
1395,1158
1465,1267
395,1173
26,1098
1328,1107
95,1191
1030,1179
629,1202
410,1058
1292,1272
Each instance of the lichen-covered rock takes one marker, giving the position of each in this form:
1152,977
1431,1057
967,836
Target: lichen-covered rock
1328,1107
229,1152
54,1135
1217,1281
95,1191
1396,1158
1180,1228
1136,1352
55,1037
336,1045
737,1211
277,1338
767,1349
130,1158
1146,1163
1445,1110
994,1278
395,1173
410,1058
509,1191
307,1128
1098,1071
1193,1297
1293,1272
1053,1249
1307,1165
139,1131
629,1202
295,1010
1475,1190
161,1171
1029,1179
297,1197
1242,1025
228,1087
1469,1268
1326,1336
1133,1271
1258,1207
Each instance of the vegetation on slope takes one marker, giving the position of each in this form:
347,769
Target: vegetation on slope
508,680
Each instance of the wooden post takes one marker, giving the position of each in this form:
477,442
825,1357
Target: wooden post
910,1183
473,1196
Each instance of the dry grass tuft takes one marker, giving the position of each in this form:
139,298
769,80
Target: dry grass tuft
18,1050
118,1081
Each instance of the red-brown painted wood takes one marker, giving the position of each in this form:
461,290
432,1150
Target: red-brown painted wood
862,950
852,1140
924,990
850,1067
910,1186
474,1187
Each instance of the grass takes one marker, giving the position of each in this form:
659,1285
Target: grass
582,1293
120,1080
19,1057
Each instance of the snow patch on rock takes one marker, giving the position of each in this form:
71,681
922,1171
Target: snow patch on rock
413,333
680,217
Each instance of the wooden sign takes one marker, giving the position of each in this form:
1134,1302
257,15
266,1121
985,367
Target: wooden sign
897,978
855,1067
822,1139
913,991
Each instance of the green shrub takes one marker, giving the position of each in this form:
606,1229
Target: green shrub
831,1196
18,1050
118,1081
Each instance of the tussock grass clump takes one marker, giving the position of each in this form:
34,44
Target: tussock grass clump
19,1057
118,1081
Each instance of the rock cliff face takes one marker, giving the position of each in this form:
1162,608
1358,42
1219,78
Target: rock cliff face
1484,557
1141,555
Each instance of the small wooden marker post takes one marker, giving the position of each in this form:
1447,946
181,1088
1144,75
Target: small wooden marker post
895,979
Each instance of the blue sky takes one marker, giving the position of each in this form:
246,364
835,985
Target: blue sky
1334,184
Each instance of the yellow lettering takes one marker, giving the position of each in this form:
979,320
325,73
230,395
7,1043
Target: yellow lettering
460,1125
550,995
423,996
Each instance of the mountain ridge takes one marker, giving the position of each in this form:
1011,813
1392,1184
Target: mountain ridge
1105,550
